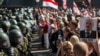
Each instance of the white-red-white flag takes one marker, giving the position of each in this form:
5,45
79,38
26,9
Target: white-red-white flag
90,2
75,9
64,4
50,3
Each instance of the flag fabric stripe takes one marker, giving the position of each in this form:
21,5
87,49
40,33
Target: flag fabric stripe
64,4
75,8
90,2
50,3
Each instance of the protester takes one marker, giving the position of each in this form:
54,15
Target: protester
66,49
92,51
74,39
81,49
58,29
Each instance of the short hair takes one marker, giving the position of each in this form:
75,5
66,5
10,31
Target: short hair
67,29
81,49
74,39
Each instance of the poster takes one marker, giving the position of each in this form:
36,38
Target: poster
88,29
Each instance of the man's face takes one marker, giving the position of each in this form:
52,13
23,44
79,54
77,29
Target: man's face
89,24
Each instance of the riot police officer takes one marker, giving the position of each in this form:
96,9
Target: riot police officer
5,47
22,27
5,26
24,32
16,40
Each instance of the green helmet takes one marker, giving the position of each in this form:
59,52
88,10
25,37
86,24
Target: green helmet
4,37
1,30
27,30
5,17
22,27
14,27
24,21
21,24
26,17
15,33
16,37
13,22
1,1
27,23
5,25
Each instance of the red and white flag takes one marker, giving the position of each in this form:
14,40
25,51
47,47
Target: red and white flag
75,9
90,2
50,3
64,4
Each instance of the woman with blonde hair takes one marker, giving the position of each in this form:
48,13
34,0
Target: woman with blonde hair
66,49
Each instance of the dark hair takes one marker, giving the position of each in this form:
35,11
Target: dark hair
74,23
71,33
67,29
51,21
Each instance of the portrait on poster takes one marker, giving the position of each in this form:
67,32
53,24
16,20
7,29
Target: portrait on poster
88,27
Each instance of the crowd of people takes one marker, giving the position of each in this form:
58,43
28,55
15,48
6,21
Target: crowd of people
58,30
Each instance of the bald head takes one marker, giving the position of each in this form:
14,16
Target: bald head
81,49
74,39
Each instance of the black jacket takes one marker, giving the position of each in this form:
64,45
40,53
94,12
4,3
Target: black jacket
92,35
